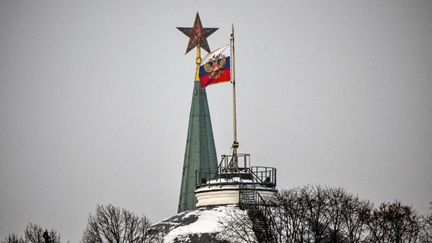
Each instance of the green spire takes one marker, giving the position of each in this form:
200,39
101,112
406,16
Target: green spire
200,151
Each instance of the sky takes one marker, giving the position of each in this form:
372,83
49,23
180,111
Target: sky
95,99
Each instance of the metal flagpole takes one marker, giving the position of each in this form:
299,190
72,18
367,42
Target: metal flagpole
235,144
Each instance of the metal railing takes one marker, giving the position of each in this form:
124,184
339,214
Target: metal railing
237,170
260,212
237,162
265,175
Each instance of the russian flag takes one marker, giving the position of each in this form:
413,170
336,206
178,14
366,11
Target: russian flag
216,67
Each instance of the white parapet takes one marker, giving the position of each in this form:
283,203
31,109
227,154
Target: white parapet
229,194
221,197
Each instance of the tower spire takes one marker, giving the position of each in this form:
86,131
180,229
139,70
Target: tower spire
200,152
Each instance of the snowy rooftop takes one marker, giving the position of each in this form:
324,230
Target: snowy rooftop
201,225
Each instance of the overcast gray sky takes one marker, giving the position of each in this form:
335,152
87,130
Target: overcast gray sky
95,99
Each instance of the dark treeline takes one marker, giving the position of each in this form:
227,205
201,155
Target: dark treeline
109,224
116,225
35,234
310,214
322,214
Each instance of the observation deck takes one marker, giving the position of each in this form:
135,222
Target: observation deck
234,181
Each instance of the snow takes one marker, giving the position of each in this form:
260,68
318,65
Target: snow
207,222
205,187
230,180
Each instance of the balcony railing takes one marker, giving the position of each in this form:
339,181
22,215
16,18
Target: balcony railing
237,170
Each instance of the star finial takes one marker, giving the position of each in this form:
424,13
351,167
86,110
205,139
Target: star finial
197,34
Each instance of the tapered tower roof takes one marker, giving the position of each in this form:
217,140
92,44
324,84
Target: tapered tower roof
200,151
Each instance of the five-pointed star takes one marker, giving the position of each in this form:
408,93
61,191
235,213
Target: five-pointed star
198,35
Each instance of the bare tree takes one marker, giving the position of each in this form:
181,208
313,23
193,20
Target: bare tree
36,234
237,227
316,202
425,234
290,217
113,224
338,201
13,238
394,222
321,214
356,218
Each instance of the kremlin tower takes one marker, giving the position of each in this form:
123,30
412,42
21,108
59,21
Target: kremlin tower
212,191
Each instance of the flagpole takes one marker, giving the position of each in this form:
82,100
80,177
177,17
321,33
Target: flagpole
235,144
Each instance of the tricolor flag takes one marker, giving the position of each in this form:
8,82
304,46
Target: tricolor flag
216,67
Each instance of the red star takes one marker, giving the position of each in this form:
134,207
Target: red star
197,34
